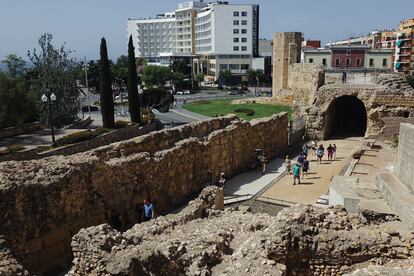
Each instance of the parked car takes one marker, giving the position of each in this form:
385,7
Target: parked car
187,92
85,108
180,93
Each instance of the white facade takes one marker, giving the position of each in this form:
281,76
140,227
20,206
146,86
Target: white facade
217,29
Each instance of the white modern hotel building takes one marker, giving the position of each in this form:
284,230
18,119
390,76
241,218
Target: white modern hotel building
214,36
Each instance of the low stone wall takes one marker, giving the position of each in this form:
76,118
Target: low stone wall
392,125
45,202
405,156
17,130
105,139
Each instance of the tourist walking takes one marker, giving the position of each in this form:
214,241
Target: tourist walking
301,158
343,77
148,212
305,167
222,182
305,150
296,173
320,153
334,151
288,164
330,152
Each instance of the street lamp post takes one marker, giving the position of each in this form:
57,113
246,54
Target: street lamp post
87,87
50,100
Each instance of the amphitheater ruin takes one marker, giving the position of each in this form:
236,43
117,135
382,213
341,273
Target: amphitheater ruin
80,214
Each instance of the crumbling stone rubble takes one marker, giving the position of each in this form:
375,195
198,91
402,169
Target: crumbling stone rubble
8,264
302,240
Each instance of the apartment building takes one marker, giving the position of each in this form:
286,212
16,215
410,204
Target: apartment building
350,57
404,48
211,36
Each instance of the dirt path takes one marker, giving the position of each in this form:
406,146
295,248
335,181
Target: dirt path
320,175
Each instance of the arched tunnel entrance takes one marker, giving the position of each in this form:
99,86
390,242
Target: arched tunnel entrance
346,117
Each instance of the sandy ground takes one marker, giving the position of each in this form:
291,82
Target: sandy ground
317,182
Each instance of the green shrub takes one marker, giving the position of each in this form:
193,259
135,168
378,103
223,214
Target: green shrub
80,136
247,111
14,148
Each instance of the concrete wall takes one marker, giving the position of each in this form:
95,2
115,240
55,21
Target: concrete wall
45,202
404,162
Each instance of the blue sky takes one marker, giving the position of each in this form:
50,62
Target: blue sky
81,23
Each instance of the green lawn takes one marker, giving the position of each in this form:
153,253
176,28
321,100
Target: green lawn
223,107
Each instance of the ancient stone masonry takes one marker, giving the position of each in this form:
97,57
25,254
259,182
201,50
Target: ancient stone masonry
302,240
43,203
388,102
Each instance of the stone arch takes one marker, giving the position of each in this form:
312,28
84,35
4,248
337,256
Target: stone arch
346,116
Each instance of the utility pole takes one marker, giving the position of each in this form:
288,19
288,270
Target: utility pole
85,67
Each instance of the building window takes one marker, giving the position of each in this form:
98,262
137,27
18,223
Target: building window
224,67
244,31
245,66
235,31
358,62
235,48
244,22
324,61
384,62
244,48
235,39
371,62
244,13
348,52
235,13
234,66
311,60
337,62
236,22
348,62
244,39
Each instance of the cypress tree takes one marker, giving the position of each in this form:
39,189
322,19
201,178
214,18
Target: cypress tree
107,100
133,96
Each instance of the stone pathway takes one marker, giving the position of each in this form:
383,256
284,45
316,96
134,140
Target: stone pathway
246,185
317,182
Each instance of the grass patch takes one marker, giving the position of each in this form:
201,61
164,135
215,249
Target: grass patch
13,148
220,107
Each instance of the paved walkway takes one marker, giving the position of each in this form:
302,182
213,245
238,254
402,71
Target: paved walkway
318,180
37,138
244,186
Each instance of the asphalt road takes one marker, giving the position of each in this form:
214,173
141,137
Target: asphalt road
177,115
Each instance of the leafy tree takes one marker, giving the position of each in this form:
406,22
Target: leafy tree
199,77
177,80
226,77
15,65
256,75
133,96
181,66
16,105
120,71
156,75
54,71
107,101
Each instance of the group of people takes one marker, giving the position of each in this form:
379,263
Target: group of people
301,166
320,152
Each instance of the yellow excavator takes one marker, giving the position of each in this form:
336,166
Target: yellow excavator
147,115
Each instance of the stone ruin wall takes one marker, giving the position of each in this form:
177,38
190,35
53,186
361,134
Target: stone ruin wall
302,240
404,161
304,80
388,103
45,202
